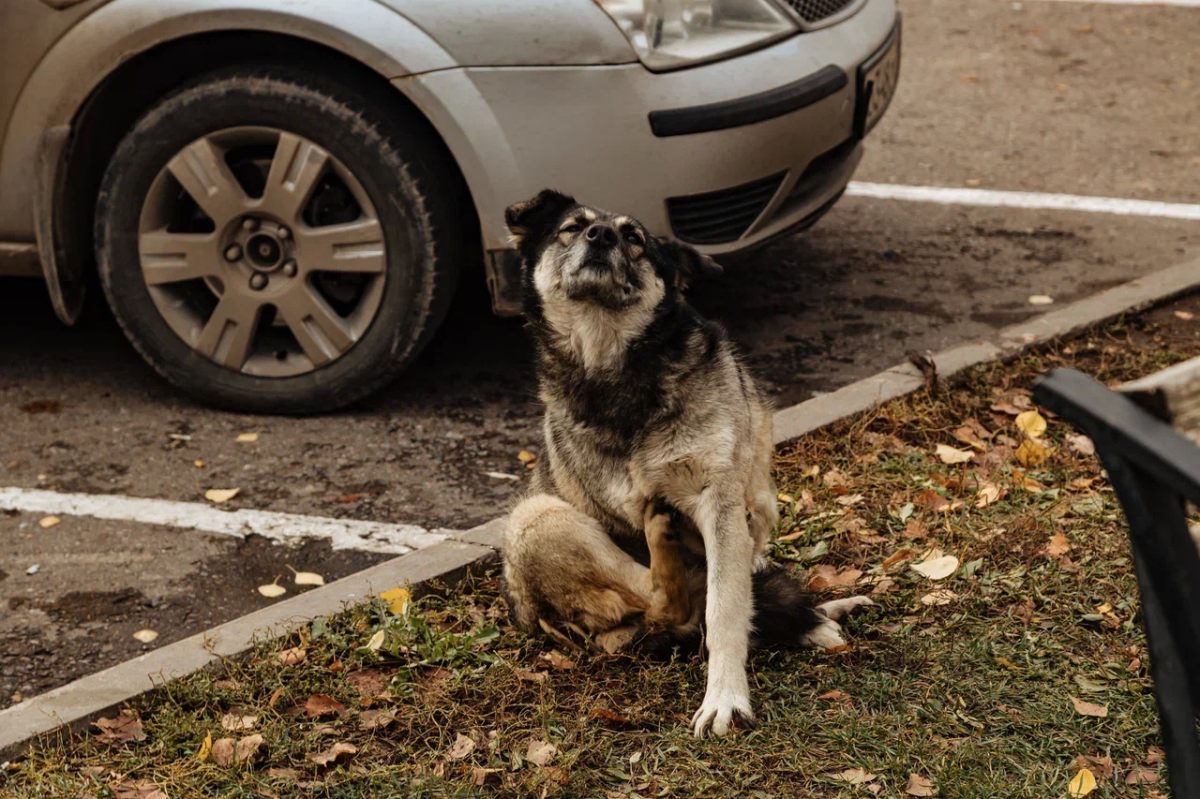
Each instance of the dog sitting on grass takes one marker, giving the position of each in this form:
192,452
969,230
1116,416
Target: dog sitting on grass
652,503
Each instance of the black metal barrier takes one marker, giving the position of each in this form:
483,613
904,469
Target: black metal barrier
1154,471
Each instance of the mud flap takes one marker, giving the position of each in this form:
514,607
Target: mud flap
64,280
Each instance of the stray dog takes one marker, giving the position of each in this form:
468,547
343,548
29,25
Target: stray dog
658,450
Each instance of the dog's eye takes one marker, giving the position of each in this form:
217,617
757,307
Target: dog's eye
574,227
633,237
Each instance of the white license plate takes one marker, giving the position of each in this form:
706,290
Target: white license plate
877,82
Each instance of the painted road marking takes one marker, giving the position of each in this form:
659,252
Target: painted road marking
1024,199
391,539
1191,3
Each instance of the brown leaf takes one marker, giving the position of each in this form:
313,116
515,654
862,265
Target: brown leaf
1155,755
1031,454
479,776
932,500
970,436
462,747
915,529
349,498
285,774
370,682
854,776
339,751
1089,709
375,719
222,751
898,556
1081,445
557,662
834,478
540,752
532,676
831,577
247,749
834,696
323,705
236,721
919,786
121,729
292,657
1141,775
883,586
1022,480
136,789
1100,766
610,716
275,696
1058,546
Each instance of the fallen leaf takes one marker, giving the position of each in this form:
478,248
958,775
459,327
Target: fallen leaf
1059,545
120,729
221,494
937,568
938,598
540,752
375,719
198,464
1089,709
322,705
222,751
292,657
1006,407
834,696
610,716
1081,445
205,748
1008,664
1031,424
932,500
34,569
1141,775
136,789
349,498
376,641
463,746
1031,453
919,786
898,556
855,776
987,494
479,776
235,722
970,79
1026,482
1155,755
969,436
275,696
1100,766
397,600
1186,316
525,456
834,478
1082,783
286,774
247,438
339,751
308,578
557,661
915,529
370,682
849,499
1043,299
948,454
49,521
501,476
831,577
145,636
272,590
883,586
532,676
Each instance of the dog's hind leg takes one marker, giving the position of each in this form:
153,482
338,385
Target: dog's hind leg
560,563
671,603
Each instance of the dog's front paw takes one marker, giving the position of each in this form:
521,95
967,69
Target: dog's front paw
828,633
840,608
721,711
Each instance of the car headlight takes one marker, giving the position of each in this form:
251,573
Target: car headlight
676,33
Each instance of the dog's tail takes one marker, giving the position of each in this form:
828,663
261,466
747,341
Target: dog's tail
783,617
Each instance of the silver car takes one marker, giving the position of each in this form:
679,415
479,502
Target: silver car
280,198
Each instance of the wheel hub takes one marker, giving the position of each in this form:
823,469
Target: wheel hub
265,252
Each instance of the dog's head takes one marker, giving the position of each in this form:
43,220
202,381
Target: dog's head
579,255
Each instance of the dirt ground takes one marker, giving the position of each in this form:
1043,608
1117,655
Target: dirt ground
1062,97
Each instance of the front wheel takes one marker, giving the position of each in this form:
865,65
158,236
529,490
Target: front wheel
267,241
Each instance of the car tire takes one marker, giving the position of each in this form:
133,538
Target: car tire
399,165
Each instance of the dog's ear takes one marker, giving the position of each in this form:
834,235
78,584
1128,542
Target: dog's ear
686,263
531,218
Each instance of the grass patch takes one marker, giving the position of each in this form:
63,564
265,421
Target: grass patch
973,695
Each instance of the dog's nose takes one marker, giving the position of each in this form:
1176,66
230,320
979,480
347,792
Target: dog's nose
601,235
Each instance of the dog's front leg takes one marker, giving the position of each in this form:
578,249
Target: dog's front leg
729,549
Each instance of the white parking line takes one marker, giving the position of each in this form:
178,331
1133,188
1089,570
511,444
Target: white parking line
392,539
1024,199
1192,3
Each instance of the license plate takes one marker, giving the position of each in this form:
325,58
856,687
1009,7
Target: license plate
877,80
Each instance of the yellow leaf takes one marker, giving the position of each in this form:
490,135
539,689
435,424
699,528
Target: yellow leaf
221,494
1031,424
1082,783
309,578
49,522
525,456
787,499
398,599
1031,454
199,464
145,636
247,438
948,454
205,748
272,590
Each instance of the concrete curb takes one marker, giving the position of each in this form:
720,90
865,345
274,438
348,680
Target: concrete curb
74,705
1008,343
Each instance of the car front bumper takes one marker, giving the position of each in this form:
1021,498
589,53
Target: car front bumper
772,131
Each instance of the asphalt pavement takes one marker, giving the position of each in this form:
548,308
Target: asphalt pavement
1035,96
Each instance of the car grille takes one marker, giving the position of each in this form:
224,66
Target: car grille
719,217
813,11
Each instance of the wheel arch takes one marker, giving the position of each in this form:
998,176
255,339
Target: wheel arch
89,90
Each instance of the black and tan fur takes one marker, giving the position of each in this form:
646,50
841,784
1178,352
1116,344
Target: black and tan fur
652,503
